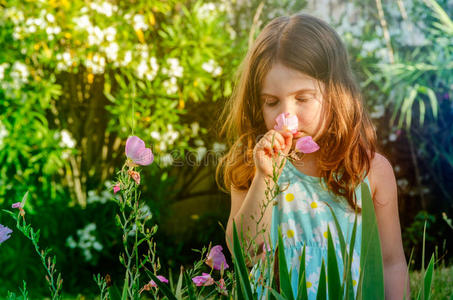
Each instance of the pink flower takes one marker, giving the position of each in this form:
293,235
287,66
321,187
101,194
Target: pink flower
161,278
4,233
135,150
134,175
16,205
216,258
116,188
203,280
306,145
19,206
287,122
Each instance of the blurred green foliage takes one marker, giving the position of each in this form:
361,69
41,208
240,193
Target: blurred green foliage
77,77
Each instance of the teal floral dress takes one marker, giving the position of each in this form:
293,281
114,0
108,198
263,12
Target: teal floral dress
304,217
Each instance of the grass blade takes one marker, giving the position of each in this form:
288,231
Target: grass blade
322,288
162,287
240,265
302,293
371,255
285,281
332,269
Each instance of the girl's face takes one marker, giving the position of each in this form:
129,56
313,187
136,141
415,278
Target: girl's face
286,90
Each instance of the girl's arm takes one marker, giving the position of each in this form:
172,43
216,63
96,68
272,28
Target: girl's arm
244,204
382,178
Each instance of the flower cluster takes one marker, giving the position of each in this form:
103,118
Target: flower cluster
216,260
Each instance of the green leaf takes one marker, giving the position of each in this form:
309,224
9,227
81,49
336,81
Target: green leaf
332,269
125,287
428,278
285,281
371,255
190,290
276,294
114,292
433,101
349,285
302,286
241,266
178,293
322,288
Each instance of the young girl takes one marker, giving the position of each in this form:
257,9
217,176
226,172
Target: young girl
298,66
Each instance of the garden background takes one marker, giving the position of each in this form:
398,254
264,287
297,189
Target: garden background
78,77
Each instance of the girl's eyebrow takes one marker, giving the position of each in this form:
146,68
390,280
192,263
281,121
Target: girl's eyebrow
295,92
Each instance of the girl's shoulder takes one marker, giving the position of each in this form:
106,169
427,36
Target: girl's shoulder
381,171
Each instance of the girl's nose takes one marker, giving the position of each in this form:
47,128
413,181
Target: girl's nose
288,107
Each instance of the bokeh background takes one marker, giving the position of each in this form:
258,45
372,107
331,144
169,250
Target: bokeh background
78,77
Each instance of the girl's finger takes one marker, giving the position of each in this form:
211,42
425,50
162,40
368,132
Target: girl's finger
298,135
276,136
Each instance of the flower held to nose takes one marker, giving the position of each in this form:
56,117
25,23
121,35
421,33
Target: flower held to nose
135,150
287,122
306,145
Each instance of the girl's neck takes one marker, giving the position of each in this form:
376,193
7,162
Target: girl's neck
308,164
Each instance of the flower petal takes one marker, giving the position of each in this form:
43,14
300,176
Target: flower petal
306,145
133,146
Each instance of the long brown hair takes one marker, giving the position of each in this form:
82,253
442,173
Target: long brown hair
348,140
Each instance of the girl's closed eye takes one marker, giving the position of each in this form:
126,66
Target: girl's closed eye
270,102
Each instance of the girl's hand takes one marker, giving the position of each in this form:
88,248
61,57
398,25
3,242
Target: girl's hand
278,148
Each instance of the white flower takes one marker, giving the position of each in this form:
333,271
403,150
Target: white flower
139,22
19,72
349,215
195,127
218,147
320,233
175,69
291,232
95,35
112,51
316,206
110,33
66,139
105,8
82,22
155,135
207,11
127,58
166,160
171,86
212,67
403,183
3,132
378,111
3,66
50,18
17,16
313,281
142,68
201,152
298,258
294,199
